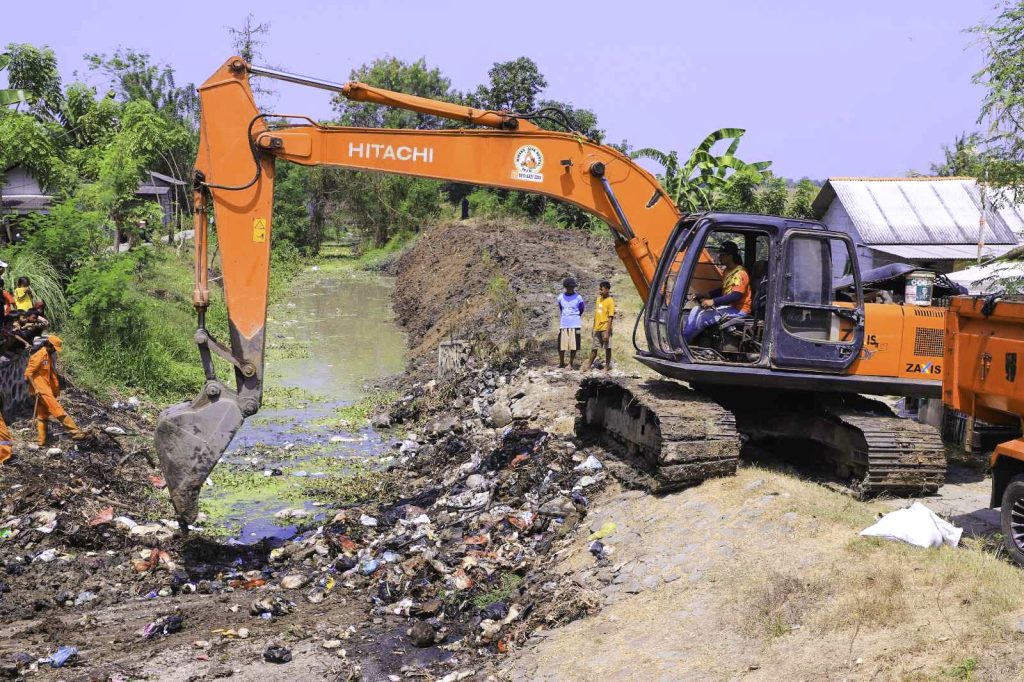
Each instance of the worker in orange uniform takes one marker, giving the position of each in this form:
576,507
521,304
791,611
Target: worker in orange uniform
41,375
732,300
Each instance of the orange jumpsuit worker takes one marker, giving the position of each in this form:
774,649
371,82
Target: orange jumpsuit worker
41,375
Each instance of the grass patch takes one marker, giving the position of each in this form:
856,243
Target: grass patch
359,413
779,601
278,397
508,585
964,670
379,257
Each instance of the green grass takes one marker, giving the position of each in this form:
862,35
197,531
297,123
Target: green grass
508,585
346,481
276,396
378,257
359,413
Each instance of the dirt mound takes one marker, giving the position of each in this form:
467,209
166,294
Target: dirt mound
493,283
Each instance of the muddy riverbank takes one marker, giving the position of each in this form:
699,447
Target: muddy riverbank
433,523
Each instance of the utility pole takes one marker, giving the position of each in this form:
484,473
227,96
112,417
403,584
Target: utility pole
981,219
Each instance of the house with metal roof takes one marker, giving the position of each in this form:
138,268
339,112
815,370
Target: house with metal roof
932,222
21,194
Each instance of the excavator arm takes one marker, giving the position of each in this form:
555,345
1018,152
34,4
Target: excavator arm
234,177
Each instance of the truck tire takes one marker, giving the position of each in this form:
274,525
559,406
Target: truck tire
1012,514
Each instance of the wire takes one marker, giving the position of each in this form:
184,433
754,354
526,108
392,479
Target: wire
255,158
636,326
552,115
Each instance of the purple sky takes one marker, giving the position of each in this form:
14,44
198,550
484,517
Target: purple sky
824,89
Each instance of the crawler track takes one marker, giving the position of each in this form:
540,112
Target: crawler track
668,435
876,451
892,455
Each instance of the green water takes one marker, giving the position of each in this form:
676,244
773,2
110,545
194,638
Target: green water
331,333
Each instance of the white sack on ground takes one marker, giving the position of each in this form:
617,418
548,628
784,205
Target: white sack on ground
918,525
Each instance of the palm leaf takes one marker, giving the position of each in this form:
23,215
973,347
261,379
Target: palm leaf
9,97
652,154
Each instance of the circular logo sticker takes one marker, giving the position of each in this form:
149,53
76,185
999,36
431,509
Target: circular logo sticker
529,161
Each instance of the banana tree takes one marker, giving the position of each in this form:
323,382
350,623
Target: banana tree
11,96
693,185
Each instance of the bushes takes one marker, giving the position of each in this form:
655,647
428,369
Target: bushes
67,237
131,318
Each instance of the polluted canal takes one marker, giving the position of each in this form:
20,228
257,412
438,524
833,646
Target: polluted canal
328,338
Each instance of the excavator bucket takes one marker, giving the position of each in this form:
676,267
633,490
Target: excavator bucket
190,439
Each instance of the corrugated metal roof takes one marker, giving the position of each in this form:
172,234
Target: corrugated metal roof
27,203
920,210
941,251
166,178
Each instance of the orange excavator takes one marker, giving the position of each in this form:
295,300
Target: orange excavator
794,368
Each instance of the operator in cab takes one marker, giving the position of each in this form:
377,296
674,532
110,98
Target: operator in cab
732,300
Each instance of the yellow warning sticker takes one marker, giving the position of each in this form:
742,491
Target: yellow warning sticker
259,229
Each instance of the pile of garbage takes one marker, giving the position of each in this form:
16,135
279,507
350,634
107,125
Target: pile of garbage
461,558
454,559
58,523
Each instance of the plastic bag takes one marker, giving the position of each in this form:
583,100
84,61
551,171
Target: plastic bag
917,525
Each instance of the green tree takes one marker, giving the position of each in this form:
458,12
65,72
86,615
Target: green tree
962,159
512,86
122,162
67,236
9,96
25,141
416,78
773,196
305,206
801,200
381,206
133,77
33,70
1003,105
567,117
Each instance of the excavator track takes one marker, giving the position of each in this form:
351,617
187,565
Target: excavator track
872,448
895,456
667,435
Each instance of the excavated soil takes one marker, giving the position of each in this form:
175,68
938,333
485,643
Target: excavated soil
493,283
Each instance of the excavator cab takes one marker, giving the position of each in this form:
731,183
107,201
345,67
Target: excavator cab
792,315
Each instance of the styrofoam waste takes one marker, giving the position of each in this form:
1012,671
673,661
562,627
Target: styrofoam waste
591,463
917,525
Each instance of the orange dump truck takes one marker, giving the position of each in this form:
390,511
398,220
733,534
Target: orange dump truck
984,380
